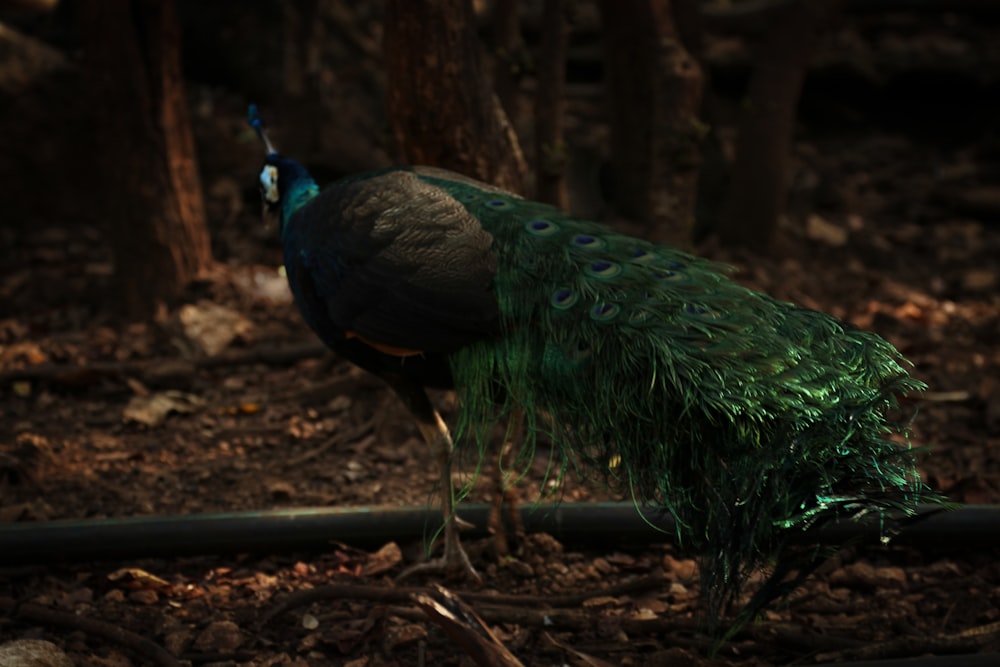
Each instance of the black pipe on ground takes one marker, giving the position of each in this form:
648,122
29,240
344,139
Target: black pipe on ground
288,530
583,524
965,660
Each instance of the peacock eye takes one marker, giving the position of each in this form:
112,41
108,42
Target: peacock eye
603,312
541,227
604,269
588,241
497,203
564,298
670,276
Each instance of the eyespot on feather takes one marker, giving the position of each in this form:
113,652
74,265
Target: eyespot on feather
589,242
671,276
603,269
604,312
541,227
564,298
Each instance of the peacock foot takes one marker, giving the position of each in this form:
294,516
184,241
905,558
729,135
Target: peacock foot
454,562
503,534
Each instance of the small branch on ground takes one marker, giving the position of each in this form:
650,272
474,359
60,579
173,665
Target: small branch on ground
341,438
84,375
579,656
680,631
461,623
141,646
405,593
967,641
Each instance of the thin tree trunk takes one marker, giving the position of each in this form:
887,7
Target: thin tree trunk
655,91
301,105
151,194
508,48
442,111
550,148
713,172
759,182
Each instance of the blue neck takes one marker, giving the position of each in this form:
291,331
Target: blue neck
297,187
298,194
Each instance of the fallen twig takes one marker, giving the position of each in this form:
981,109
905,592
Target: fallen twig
136,643
959,642
404,593
575,599
335,592
84,375
581,657
337,440
558,613
681,631
461,623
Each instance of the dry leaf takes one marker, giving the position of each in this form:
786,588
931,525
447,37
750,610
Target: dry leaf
209,328
820,230
386,558
136,578
153,410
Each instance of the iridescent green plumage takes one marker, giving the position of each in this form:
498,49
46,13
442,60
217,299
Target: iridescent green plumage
742,416
745,418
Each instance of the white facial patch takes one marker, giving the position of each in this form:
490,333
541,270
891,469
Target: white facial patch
269,184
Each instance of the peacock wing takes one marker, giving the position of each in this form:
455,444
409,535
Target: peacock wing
395,262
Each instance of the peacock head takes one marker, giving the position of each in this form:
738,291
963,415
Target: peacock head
285,185
270,175
271,182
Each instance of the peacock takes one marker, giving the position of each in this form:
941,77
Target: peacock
647,369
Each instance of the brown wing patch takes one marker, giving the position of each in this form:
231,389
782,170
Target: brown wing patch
387,349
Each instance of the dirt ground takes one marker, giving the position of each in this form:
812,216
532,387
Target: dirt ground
890,229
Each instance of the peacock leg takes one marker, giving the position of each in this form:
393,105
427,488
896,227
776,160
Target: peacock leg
503,493
435,433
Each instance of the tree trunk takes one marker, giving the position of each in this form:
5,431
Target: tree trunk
759,183
550,148
655,91
713,172
301,106
152,195
442,111
508,54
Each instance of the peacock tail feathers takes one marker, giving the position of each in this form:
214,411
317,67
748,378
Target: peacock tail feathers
741,416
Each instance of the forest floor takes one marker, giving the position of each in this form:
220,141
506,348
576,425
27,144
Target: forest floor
891,232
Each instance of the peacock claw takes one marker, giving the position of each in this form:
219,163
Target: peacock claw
462,524
454,562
